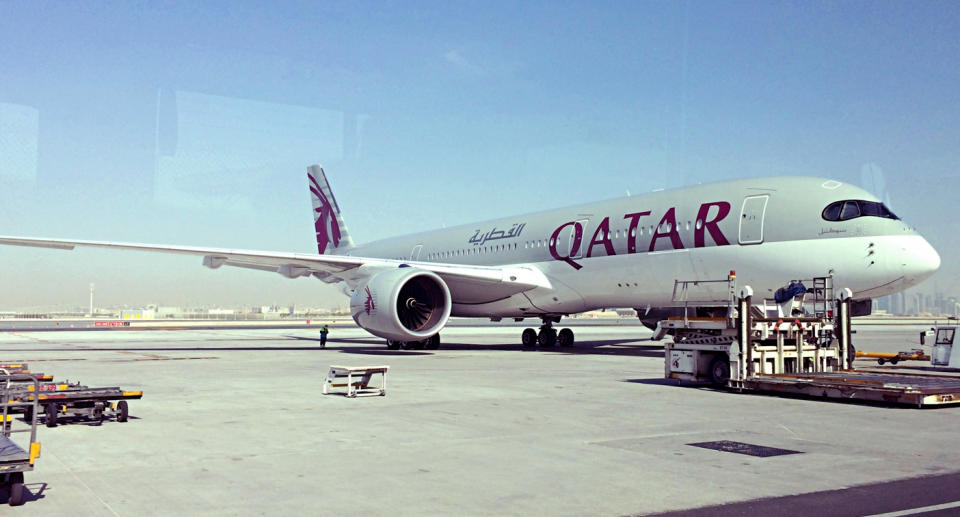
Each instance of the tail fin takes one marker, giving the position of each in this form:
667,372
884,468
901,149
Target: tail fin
332,235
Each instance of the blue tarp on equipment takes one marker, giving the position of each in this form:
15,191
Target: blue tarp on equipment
785,293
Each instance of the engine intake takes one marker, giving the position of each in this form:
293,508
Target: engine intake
404,304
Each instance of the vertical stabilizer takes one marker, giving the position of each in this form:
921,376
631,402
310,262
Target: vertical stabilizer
332,235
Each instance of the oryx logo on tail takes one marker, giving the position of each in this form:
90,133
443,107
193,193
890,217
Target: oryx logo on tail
324,218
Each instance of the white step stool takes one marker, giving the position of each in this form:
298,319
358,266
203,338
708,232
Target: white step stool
356,379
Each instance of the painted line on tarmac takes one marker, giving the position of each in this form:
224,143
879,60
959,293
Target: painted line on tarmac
51,360
922,509
137,359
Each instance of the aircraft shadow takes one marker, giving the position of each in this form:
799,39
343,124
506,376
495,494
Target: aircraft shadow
620,347
377,347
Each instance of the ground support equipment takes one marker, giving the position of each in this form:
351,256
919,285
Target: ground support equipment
800,354
894,358
895,388
14,458
356,379
76,401
22,369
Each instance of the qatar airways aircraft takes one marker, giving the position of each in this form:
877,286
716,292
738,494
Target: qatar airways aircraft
624,252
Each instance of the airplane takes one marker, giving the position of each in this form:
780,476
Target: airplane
626,252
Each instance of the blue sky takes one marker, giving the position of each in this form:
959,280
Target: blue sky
171,122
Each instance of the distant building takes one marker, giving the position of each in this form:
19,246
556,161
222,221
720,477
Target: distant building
137,314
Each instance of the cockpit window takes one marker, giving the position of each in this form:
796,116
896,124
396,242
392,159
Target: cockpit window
850,209
832,212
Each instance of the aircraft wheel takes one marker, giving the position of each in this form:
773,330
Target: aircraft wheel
412,345
433,342
529,337
547,337
394,345
565,337
719,371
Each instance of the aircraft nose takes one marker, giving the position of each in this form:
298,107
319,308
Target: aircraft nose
920,261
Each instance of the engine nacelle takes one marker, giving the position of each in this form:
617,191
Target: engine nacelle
404,304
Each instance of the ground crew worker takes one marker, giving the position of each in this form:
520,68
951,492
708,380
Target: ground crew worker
323,336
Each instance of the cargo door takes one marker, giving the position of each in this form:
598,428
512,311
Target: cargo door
751,219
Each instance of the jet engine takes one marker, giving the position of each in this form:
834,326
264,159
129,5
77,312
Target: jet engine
404,304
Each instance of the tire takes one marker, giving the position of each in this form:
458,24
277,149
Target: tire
433,342
17,494
852,356
565,337
719,371
528,338
28,415
51,413
394,345
123,411
881,361
547,337
894,360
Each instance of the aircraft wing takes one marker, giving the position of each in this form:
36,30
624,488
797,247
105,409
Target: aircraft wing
467,284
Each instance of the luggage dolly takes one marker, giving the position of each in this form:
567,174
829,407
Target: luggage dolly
21,368
14,459
77,400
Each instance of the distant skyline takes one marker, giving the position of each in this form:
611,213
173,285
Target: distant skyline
148,122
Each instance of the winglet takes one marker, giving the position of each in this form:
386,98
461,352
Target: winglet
332,235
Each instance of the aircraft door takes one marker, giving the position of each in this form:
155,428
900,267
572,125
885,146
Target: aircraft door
415,252
751,219
566,239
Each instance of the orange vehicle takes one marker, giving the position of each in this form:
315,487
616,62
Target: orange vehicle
894,358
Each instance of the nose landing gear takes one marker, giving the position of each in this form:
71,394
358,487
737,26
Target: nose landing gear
548,336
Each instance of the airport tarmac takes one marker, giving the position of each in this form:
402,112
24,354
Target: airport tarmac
233,422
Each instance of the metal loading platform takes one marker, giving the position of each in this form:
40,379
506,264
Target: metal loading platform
897,388
16,456
77,400
799,346
57,399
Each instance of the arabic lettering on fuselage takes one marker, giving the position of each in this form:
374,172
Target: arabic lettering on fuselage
494,234
667,228
825,231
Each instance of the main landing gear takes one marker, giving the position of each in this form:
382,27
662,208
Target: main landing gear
548,336
431,343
